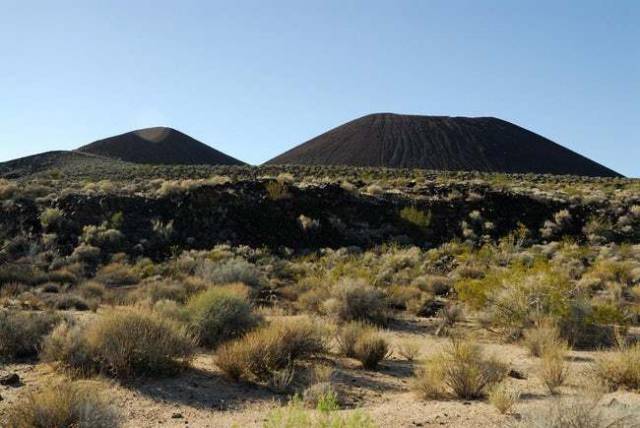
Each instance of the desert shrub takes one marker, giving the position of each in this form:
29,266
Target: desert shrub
620,368
229,271
277,190
170,309
63,276
63,405
542,338
447,318
117,274
161,290
416,217
348,335
102,237
374,189
271,348
519,297
308,224
581,327
51,218
121,343
219,314
409,349
87,254
405,297
459,370
437,284
92,290
295,415
279,381
321,396
553,367
22,274
353,300
67,302
503,397
313,299
370,349
22,333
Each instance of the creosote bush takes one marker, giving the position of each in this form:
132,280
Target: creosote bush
220,314
542,338
553,368
229,271
409,349
459,370
620,369
355,300
271,348
63,405
121,343
22,333
504,397
348,335
370,349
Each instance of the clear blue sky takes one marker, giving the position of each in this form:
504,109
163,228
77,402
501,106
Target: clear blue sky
254,78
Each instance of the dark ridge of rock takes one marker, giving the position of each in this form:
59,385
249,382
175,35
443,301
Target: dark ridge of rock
158,146
441,143
52,161
244,214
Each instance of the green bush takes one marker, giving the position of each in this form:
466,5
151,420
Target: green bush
416,217
219,314
294,415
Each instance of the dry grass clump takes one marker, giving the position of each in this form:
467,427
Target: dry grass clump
121,343
295,415
553,367
271,348
348,335
22,333
355,300
448,317
459,370
504,397
220,314
371,349
321,396
621,369
364,343
409,349
542,338
63,405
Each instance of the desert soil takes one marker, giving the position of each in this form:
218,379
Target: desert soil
202,397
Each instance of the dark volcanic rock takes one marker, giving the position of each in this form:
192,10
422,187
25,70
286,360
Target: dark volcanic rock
158,146
441,143
11,379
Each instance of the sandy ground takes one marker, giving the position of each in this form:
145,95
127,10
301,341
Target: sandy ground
201,397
